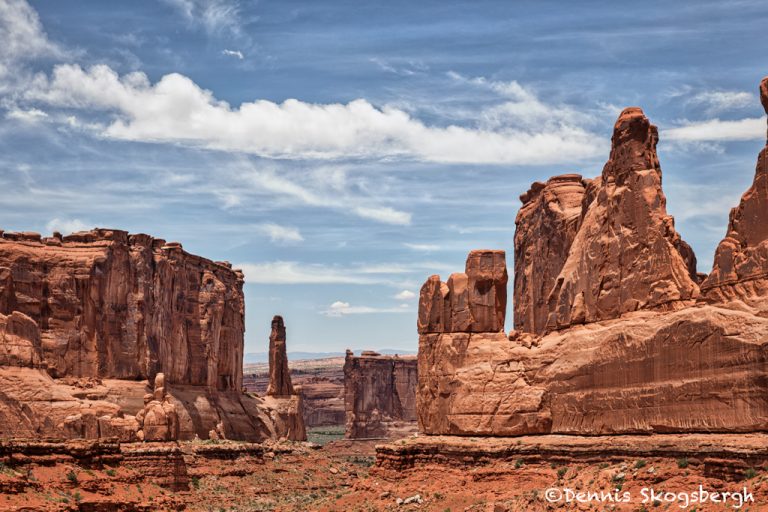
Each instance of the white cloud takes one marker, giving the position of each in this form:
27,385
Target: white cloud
339,308
715,102
215,16
22,38
22,33
292,272
32,115
176,110
233,53
422,247
267,179
462,230
280,234
405,295
67,226
383,214
717,130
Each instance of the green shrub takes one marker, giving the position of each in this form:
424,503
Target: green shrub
682,463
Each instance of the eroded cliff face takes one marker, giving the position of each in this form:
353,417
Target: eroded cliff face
626,254
629,345
118,306
545,228
380,394
89,320
740,270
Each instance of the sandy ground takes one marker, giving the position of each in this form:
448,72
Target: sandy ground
341,476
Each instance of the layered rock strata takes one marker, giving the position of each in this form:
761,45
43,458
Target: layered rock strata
727,456
629,344
89,319
380,394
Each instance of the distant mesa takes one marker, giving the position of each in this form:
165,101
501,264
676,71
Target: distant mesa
379,395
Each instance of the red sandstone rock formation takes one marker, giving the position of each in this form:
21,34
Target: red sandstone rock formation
626,255
651,357
380,394
88,319
113,305
545,228
279,375
740,270
285,404
322,388
474,301
158,420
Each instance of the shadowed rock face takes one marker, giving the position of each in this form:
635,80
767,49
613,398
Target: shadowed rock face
629,346
740,268
380,393
279,375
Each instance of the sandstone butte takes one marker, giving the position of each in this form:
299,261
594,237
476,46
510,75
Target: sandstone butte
615,332
88,320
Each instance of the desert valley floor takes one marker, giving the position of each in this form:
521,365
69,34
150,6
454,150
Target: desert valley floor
344,475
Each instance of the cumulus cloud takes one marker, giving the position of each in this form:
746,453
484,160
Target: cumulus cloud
233,53
67,226
717,130
280,234
176,110
405,295
340,308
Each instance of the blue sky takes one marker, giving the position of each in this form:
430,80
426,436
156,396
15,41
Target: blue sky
340,152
